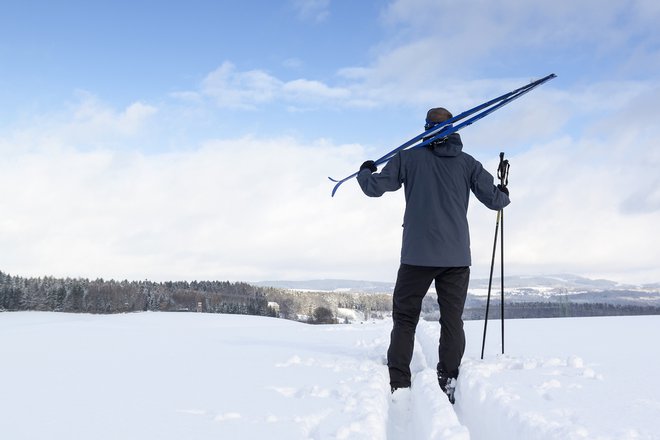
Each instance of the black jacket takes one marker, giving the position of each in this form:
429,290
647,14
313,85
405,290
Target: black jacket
437,183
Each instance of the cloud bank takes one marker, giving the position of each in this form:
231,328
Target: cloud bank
254,208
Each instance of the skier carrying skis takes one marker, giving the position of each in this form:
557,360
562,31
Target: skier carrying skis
437,181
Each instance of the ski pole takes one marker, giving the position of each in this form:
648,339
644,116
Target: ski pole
503,175
490,282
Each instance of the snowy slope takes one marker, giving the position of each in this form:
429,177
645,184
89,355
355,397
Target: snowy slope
203,376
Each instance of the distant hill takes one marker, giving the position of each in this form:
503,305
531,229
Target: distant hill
554,289
330,285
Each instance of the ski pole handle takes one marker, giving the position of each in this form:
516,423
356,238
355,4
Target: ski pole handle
503,171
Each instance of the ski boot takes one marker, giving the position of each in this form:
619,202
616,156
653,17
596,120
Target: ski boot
447,385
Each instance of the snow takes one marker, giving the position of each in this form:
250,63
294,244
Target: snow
205,376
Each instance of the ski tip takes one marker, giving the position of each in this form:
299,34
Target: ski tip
334,190
333,180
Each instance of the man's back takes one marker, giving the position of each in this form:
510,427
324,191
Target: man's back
437,183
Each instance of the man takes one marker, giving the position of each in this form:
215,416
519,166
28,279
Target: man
437,181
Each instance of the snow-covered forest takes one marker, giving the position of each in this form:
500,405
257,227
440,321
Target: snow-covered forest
109,296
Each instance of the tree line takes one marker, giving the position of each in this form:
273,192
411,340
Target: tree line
522,310
475,309
81,295
101,296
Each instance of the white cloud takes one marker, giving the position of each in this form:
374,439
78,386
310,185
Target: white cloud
481,25
242,209
582,205
87,123
312,10
302,89
253,208
433,45
90,115
228,87
393,83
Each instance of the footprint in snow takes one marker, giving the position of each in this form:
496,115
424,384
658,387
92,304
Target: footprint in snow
399,414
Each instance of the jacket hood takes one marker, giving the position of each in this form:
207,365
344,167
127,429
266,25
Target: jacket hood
451,146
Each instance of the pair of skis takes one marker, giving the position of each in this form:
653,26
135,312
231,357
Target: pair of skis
444,129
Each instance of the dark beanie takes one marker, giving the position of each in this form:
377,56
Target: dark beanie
438,114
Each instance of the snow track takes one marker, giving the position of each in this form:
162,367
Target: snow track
424,412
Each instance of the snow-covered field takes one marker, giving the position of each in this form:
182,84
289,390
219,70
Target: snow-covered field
202,376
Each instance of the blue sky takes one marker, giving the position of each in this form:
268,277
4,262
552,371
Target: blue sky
153,48
190,140
127,51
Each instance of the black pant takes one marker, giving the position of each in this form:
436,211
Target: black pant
451,284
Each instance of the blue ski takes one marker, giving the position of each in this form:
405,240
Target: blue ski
447,127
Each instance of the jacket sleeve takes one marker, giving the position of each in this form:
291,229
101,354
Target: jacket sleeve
483,186
389,179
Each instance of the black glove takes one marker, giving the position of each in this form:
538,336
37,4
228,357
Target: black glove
369,165
504,189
